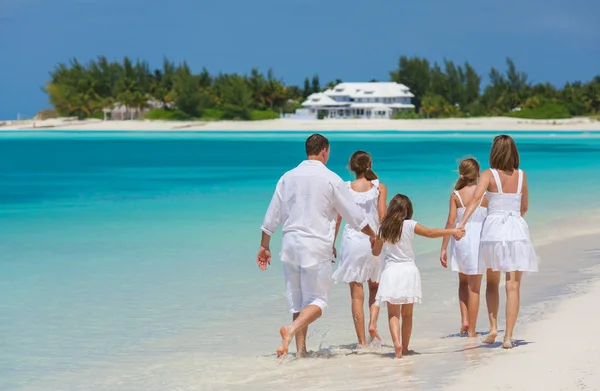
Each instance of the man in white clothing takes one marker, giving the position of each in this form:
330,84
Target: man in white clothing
306,203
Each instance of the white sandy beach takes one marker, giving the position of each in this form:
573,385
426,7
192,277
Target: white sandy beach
449,124
564,353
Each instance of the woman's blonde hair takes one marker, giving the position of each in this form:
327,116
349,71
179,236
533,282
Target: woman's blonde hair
399,209
504,155
468,169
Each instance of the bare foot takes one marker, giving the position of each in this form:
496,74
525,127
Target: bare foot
464,329
285,341
491,338
507,344
398,350
373,332
474,335
407,352
301,355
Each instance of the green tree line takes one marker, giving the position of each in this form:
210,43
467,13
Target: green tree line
454,90
175,91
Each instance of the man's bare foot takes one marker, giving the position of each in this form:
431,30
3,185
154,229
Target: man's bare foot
507,344
373,332
398,350
491,338
285,341
406,352
474,335
464,329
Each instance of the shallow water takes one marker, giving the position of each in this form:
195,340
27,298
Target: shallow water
128,261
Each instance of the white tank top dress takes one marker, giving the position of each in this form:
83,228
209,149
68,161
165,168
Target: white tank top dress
505,242
464,254
357,263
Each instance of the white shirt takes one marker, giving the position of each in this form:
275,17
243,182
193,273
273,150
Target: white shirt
402,250
306,203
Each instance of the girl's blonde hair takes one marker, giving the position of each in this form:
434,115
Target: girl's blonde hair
468,169
399,209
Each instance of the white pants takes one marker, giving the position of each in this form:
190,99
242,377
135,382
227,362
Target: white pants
306,286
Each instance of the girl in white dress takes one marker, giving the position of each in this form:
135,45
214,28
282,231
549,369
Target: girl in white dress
505,242
357,264
464,254
400,282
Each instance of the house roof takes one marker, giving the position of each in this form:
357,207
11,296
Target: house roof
375,89
320,99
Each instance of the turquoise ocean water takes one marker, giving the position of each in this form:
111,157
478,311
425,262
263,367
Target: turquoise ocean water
127,260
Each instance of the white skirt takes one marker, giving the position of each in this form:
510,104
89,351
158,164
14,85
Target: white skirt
357,263
509,256
505,244
400,283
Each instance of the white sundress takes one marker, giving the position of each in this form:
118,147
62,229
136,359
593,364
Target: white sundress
505,242
464,254
357,263
400,281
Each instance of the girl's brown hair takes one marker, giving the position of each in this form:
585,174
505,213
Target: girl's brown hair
360,164
468,170
399,209
504,155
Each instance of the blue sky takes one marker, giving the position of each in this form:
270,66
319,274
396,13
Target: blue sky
353,40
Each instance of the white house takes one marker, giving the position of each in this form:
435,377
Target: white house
360,100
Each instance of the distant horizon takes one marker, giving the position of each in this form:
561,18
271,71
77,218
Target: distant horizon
551,41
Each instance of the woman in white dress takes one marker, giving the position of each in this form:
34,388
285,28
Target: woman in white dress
400,282
505,242
357,263
464,254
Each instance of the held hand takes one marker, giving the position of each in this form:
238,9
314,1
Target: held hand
372,239
263,258
444,259
459,233
334,252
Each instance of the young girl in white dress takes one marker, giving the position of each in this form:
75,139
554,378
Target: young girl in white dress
505,242
400,282
357,264
464,254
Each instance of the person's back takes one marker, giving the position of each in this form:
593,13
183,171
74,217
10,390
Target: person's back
366,195
401,251
464,196
505,192
308,212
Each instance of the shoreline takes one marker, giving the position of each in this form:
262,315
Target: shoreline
446,125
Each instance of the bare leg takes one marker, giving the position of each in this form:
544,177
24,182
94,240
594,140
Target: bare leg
373,322
358,311
300,339
513,298
474,285
492,297
407,320
463,299
394,320
373,310
373,287
308,315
